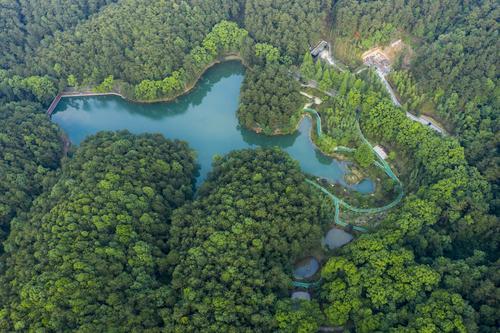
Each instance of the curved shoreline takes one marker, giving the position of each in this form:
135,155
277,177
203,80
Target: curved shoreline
379,162
307,112
189,87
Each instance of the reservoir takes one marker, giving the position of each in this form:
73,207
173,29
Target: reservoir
205,118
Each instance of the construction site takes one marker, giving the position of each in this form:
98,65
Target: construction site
381,58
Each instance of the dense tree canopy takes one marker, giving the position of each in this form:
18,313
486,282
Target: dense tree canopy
291,25
235,243
33,88
225,38
270,100
25,23
383,281
30,150
132,40
113,241
455,62
91,254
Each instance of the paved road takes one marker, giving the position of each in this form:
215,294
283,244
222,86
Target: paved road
424,120
427,122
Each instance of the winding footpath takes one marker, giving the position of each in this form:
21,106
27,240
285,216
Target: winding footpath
380,163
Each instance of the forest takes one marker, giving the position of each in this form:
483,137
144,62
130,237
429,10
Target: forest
103,226
114,236
454,68
270,102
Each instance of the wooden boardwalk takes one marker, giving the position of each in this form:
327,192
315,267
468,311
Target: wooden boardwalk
53,104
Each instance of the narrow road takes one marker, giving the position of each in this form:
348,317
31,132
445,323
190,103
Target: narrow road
314,84
315,99
424,120
326,55
388,87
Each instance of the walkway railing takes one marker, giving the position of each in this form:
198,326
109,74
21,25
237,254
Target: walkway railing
318,120
306,285
381,163
57,99
53,104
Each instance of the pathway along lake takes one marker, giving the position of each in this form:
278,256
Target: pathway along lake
205,118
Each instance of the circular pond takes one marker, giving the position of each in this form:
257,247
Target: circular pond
336,238
305,268
301,295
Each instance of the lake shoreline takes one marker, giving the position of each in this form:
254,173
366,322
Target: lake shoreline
189,87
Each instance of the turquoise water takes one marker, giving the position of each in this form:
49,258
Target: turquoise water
205,118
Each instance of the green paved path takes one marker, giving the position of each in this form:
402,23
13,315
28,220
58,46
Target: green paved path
339,202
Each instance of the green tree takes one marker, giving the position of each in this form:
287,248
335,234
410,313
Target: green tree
30,152
270,100
106,85
72,81
267,52
98,239
307,68
298,316
364,155
42,87
318,70
252,217
146,90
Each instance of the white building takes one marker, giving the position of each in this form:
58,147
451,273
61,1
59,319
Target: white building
380,152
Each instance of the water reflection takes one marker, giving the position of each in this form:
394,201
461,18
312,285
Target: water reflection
305,268
205,118
336,238
254,139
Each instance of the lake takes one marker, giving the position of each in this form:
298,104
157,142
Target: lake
205,118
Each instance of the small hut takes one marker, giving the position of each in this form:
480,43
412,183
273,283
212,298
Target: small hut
315,52
380,152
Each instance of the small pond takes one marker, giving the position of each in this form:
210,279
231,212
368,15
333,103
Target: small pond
305,268
336,238
301,295
205,118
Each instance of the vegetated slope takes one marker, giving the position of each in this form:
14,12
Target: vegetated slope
30,149
339,117
364,24
223,39
405,275
456,62
236,241
25,23
65,267
91,255
41,89
132,40
270,100
461,68
290,25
